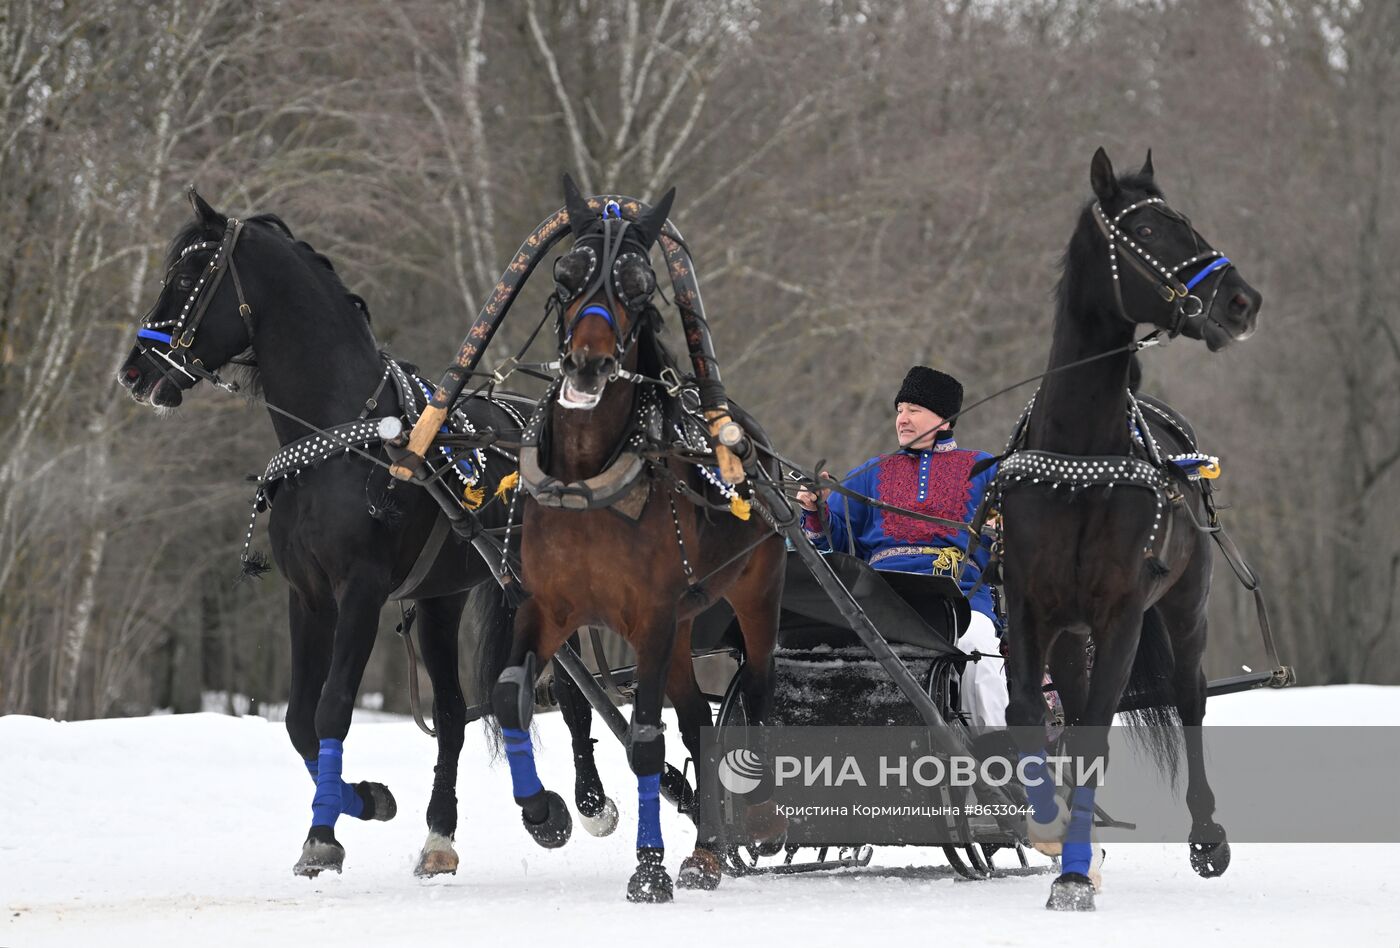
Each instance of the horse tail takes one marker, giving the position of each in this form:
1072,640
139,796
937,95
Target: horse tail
493,616
1156,726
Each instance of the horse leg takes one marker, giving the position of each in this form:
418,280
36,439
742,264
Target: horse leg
1210,850
1081,856
646,752
1025,715
701,869
544,813
756,598
439,621
596,811
357,621
313,632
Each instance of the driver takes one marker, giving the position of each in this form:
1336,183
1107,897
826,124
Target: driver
929,474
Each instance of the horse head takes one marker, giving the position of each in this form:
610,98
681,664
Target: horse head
1164,272
603,286
200,320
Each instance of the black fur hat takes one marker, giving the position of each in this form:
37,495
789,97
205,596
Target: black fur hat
937,391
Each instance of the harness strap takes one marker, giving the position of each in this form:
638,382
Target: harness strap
223,258
405,631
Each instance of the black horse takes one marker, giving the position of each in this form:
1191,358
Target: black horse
344,538
1101,549
615,535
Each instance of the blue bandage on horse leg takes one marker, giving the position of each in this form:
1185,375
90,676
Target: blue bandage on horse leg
350,802
520,753
325,806
1078,850
649,812
1040,789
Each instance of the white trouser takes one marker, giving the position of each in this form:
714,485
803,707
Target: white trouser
984,696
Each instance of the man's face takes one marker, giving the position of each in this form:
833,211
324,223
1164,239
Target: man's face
916,426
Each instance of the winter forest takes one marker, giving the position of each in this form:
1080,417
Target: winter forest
864,184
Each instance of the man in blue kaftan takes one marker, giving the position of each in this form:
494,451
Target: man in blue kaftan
929,474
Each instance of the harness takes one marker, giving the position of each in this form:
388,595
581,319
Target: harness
364,433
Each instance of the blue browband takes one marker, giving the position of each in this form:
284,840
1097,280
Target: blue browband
154,335
594,309
1215,264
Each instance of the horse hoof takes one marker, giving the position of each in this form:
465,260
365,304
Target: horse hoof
319,853
700,870
437,858
556,828
649,884
602,822
1071,892
1210,851
766,828
379,802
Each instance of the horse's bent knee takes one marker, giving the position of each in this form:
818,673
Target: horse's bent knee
513,698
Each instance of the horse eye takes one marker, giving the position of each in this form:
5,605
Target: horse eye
185,282
1145,232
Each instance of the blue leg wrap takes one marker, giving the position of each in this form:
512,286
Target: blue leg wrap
350,802
520,753
325,806
1078,850
1040,789
649,812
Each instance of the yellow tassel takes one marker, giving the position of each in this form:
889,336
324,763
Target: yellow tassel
509,482
1209,471
474,497
739,507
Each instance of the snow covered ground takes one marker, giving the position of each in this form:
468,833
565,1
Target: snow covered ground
183,830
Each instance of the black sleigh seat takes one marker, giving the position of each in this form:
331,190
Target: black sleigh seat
825,674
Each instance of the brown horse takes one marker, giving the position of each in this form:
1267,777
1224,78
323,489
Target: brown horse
605,540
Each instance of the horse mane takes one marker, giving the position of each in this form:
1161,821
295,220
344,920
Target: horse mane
1079,242
197,230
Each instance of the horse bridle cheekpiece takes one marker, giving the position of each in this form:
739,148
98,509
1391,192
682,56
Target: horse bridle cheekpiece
1185,303
624,277
178,332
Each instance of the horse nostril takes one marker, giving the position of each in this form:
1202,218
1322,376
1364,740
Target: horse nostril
1240,303
131,376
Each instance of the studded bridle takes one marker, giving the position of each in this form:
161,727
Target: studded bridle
624,277
178,333
1186,305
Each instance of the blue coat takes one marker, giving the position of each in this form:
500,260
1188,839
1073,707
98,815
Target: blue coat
936,482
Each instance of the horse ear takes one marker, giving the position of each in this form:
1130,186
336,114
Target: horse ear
580,214
1102,178
203,211
653,220
1147,165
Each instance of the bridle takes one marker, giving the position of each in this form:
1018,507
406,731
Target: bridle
625,278
178,333
1168,284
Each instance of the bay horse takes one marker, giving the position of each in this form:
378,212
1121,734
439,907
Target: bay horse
636,559
1100,546
343,537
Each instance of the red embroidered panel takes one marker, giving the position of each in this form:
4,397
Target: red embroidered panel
948,493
